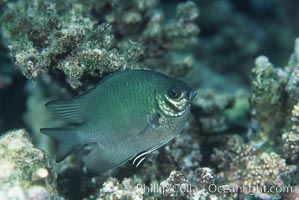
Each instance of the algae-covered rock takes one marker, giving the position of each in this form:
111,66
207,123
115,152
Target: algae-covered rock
25,172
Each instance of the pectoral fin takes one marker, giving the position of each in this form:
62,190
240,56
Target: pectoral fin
145,121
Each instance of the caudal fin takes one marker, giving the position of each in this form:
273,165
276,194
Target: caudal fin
66,139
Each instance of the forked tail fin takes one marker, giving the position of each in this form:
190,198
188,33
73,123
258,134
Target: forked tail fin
66,139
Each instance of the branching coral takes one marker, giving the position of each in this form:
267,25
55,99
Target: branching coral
127,189
291,138
55,40
209,109
216,112
69,42
176,186
275,93
243,166
268,95
260,163
143,27
176,179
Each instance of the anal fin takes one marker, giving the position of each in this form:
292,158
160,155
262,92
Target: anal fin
99,160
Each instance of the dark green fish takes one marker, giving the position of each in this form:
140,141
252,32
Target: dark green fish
128,115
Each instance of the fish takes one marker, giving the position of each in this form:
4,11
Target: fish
124,117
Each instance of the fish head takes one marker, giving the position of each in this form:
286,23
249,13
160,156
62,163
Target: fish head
174,97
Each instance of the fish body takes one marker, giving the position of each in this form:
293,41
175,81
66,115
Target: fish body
127,115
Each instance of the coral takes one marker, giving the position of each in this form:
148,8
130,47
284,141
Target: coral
273,131
176,179
176,186
70,42
291,138
243,166
127,189
25,172
216,112
52,40
274,95
190,157
181,29
268,95
266,165
143,22
293,82
205,176
234,153
176,34
209,108
291,144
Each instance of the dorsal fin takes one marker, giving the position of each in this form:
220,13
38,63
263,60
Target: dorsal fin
70,109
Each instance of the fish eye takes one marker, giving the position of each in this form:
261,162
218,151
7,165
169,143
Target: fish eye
174,93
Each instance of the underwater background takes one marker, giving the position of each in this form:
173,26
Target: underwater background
242,139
